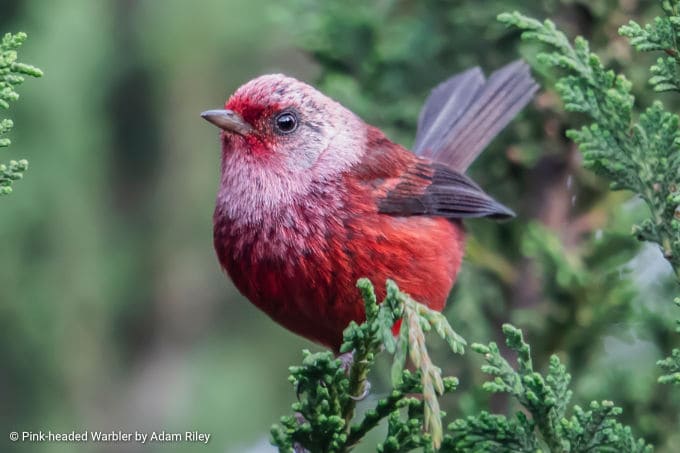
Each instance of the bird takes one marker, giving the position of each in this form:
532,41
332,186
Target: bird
311,198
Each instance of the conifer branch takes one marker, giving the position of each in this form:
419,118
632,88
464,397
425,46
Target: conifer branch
662,36
671,365
324,418
641,155
11,75
546,399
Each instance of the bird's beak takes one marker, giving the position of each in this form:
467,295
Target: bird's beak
228,120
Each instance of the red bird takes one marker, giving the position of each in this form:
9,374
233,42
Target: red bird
311,198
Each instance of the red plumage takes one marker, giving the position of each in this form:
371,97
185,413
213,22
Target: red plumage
311,289
311,199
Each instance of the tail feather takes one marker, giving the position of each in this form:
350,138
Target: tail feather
463,114
445,105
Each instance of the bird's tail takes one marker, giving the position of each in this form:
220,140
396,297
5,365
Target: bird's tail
464,113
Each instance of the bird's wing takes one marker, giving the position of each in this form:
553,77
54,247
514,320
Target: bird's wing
403,184
464,113
429,188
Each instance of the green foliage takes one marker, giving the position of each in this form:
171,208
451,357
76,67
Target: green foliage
671,365
11,172
322,418
11,75
566,271
546,399
327,389
642,156
662,35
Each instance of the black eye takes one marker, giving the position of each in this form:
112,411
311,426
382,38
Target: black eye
286,122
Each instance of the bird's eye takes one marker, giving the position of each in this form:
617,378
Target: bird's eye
286,122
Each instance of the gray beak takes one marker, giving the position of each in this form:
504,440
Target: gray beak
227,120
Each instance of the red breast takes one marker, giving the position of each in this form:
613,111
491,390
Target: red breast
305,278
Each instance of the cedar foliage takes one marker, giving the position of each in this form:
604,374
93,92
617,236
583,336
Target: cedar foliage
11,75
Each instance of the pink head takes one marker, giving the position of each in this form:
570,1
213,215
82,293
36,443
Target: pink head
280,137
278,120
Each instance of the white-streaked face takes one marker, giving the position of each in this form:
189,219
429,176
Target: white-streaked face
300,139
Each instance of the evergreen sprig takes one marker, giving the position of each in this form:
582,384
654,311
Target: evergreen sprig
11,75
546,400
662,35
323,417
642,156
671,365
13,171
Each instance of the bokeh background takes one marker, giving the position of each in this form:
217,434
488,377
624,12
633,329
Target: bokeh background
114,313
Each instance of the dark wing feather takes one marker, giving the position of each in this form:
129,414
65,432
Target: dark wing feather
427,188
465,113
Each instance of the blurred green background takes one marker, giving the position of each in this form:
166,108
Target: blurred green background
114,313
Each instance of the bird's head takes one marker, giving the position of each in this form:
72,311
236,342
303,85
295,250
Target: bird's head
280,122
